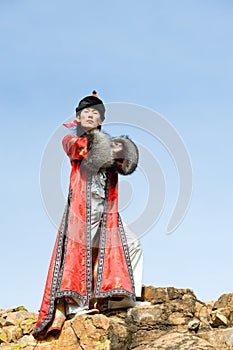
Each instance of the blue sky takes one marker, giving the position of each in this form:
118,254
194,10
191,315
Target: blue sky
174,57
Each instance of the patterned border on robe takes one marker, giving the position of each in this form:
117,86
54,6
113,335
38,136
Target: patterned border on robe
114,277
100,291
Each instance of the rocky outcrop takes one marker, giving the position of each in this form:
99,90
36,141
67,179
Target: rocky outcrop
176,319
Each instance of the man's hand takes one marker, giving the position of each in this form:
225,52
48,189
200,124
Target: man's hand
117,149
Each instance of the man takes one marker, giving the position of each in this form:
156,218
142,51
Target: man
96,262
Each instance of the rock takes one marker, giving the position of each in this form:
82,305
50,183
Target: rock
28,325
175,293
225,300
2,322
26,342
221,338
154,295
162,295
118,335
219,319
202,312
15,318
5,336
143,337
193,325
147,317
18,308
67,339
175,320
15,332
177,341
227,336
91,331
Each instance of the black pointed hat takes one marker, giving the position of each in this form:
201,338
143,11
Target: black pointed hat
92,101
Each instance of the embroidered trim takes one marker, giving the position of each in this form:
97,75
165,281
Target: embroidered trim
55,276
102,241
126,252
101,257
71,293
65,242
117,291
88,237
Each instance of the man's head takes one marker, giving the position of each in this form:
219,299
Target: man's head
90,112
92,101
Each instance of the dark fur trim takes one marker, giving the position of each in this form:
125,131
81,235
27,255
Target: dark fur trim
128,159
99,154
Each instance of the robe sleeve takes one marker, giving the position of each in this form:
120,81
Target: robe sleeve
75,147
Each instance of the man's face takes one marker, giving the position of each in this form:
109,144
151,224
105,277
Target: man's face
89,118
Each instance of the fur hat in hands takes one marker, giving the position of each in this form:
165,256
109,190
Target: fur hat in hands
99,151
126,161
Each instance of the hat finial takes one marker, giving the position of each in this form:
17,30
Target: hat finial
94,93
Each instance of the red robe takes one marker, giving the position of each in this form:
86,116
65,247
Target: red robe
71,267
